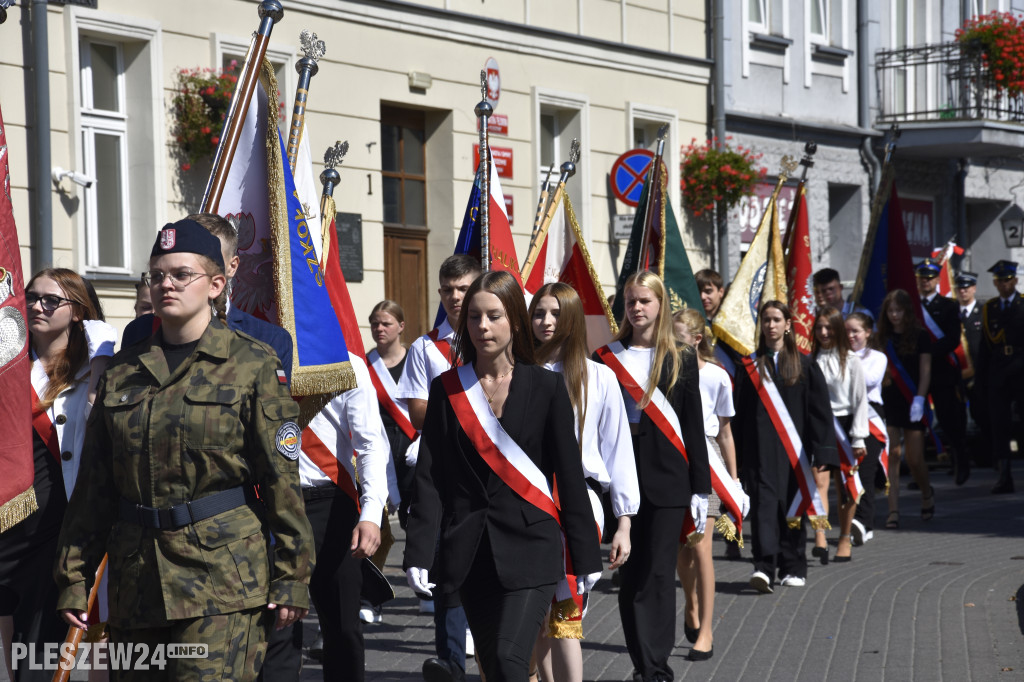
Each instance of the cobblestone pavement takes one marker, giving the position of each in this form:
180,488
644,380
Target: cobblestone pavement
942,600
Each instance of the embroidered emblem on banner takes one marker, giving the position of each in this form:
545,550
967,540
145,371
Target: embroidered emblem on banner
167,238
289,441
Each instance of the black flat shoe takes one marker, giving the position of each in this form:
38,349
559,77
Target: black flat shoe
822,554
691,633
697,655
842,559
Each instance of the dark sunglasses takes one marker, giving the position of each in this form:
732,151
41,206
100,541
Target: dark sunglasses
49,302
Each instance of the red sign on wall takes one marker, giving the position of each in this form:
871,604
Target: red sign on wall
508,207
502,160
497,124
752,208
919,222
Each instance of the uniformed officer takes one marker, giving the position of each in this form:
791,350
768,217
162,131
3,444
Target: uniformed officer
970,318
1001,364
946,387
184,427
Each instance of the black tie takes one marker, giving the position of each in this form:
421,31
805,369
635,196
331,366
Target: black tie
963,313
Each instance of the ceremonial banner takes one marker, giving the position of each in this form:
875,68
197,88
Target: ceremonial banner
886,263
761,277
946,288
564,258
799,273
280,277
666,254
17,497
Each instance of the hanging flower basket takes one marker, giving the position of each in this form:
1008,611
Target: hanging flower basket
712,173
200,105
998,38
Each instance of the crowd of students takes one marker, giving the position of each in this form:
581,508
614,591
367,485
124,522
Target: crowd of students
507,449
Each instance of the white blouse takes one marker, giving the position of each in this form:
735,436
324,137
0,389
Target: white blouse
715,397
875,364
847,392
607,446
638,362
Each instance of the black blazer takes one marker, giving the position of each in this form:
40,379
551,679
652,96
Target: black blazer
946,314
455,491
666,480
972,332
144,326
1002,363
758,446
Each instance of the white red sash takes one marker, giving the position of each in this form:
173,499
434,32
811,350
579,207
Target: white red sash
43,426
499,451
385,386
443,346
876,425
666,420
806,500
848,463
338,469
936,334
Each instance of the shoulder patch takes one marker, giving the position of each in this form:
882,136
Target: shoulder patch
289,440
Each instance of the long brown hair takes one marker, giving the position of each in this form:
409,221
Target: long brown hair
667,346
569,341
841,342
505,287
788,367
66,365
912,326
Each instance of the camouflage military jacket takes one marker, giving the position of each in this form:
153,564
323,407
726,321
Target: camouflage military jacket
222,419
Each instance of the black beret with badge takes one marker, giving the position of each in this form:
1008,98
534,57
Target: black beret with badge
188,236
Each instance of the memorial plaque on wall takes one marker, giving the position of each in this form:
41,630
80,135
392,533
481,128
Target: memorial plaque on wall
349,227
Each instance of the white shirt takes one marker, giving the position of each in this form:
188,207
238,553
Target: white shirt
423,364
874,363
637,362
715,397
349,424
606,446
966,310
847,392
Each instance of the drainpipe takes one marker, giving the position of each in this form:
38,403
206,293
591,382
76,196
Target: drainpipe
718,96
963,165
41,229
864,80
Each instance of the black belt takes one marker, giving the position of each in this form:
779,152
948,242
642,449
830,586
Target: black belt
181,515
318,492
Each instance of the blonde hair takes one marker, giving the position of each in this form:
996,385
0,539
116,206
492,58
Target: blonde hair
667,346
697,326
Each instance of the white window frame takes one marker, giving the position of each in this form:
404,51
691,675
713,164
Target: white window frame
226,45
826,18
751,56
579,186
84,24
833,25
764,26
911,39
114,124
640,114
979,7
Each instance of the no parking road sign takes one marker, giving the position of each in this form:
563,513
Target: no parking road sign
628,174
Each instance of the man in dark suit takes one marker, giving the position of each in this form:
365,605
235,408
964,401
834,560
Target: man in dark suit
946,389
970,319
1001,364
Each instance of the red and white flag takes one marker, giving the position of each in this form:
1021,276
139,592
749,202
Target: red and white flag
564,258
799,272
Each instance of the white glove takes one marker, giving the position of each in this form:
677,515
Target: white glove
419,582
744,500
412,453
100,337
585,583
917,409
699,511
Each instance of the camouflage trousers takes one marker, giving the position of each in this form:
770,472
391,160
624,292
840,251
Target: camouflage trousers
236,644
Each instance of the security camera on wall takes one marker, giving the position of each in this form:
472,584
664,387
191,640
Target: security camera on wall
81,179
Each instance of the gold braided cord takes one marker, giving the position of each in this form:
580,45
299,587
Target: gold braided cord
578,233
565,621
17,509
663,186
727,529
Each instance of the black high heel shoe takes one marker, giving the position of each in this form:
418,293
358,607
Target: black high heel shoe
821,553
698,655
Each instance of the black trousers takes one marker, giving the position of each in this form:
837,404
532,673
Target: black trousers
505,623
337,582
776,546
647,595
951,410
868,470
283,661
1003,397
978,403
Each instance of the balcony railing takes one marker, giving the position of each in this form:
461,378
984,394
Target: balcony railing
940,83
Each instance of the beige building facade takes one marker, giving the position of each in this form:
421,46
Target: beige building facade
399,81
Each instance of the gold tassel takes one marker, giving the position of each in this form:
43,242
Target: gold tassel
17,509
794,523
95,633
726,528
566,621
694,538
819,522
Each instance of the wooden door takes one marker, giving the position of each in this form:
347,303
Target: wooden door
405,278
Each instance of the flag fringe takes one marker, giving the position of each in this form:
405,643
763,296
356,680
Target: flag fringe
590,264
566,621
18,509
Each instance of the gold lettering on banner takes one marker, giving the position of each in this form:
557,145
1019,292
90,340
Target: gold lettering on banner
302,229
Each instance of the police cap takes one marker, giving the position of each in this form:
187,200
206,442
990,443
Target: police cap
966,279
928,268
1004,269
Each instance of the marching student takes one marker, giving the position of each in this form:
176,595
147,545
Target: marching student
601,427
847,393
428,357
497,432
184,428
782,416
875,365
909,350
694,564
69,349
659,382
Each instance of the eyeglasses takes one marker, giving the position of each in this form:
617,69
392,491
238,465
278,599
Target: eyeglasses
48,302
180,278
